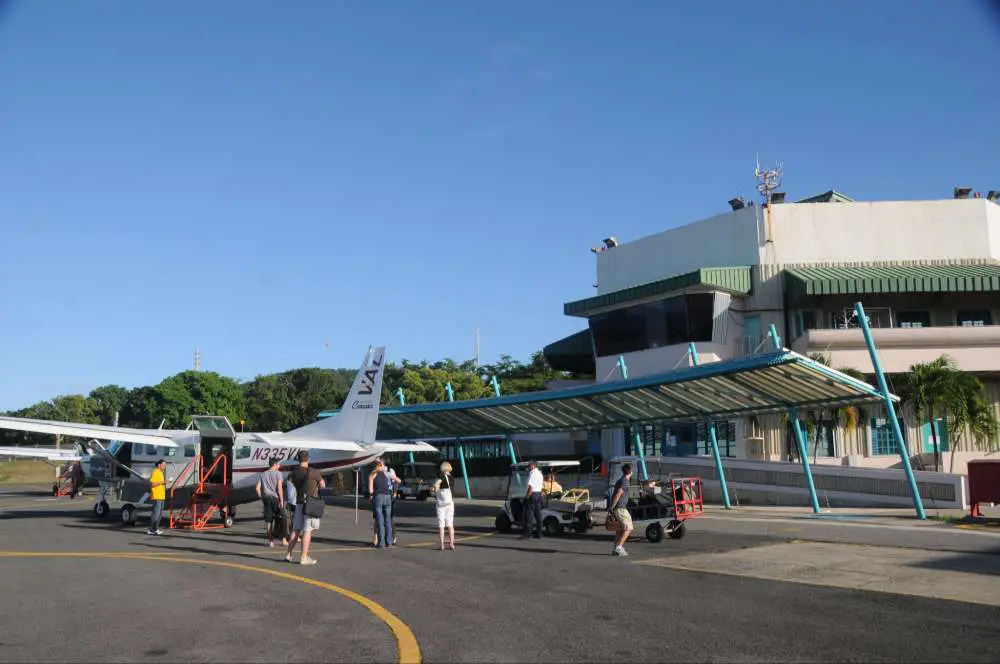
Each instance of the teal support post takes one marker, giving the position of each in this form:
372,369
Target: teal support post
775,339
402,402
637,439
890,408
800,437
510,443
461,451
713,437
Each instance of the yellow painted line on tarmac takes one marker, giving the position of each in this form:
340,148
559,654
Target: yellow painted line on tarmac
406,642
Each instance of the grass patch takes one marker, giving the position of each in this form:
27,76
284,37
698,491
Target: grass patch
29,471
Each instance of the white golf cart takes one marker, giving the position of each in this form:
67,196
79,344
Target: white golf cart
561,508
418,480
658,508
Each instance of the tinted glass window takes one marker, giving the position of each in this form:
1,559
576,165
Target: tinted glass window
676,320
700,309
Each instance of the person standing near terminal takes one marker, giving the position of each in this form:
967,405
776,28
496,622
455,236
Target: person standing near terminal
380,487
158,494
533,501
619,508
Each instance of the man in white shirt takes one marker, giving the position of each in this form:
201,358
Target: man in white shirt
533,501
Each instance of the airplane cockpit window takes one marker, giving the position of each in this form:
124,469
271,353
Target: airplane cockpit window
189,451
243,452
114,447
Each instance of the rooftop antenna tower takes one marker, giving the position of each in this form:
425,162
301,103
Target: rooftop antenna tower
197,359
767,181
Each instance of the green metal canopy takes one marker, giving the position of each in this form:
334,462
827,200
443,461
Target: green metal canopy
758,385
876,279
572,353
735,280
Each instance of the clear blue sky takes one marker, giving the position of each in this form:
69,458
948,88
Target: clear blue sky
263,179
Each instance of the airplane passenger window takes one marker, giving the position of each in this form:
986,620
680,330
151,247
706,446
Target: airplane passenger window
243,452
150,450
169,451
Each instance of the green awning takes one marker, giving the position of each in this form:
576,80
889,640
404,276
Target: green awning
573,353
875,279
735,280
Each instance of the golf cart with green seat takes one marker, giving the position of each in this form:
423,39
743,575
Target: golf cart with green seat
562,509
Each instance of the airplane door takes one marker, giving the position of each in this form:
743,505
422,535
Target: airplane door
217,438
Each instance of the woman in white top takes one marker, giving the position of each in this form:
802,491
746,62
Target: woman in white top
445,505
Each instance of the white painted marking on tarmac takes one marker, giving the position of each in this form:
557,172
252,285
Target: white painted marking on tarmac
804,521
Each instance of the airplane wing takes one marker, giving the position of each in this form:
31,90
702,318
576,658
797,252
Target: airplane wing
279,440
101,432
419,446
41,452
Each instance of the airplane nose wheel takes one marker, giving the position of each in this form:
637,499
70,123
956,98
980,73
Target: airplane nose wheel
101,509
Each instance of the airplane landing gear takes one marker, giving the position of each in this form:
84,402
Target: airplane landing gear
102,509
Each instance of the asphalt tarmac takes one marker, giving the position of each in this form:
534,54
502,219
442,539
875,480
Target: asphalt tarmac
78,589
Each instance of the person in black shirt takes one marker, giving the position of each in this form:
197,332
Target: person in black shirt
307,482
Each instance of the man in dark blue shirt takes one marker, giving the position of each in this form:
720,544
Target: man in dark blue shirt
618,507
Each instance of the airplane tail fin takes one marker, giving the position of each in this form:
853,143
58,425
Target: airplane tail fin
358,417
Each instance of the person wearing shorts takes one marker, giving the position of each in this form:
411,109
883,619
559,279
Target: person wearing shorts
619,508
308,482
269,490
445,505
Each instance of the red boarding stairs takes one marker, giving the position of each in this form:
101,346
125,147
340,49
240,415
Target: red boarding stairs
207,499
64,483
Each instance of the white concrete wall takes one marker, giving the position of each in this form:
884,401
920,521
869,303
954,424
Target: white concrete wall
661,360
882,231
809,233
727,239
993,224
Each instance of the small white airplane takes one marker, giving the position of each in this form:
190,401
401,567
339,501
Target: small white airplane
334,444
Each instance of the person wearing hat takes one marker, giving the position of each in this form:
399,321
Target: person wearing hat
157,494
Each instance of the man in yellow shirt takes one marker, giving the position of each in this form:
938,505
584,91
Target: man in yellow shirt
158,494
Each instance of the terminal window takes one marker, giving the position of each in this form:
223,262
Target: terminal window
913,319
975,318
883,440
675,320
682,439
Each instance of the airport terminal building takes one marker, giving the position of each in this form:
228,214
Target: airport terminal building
927,273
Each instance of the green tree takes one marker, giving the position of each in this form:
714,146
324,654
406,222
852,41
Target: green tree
140,409
930,387
198,393
939,388
109,399
972,413
843,418
279,402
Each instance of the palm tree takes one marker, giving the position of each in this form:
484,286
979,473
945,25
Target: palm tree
845,417
971,411
929,387
940,388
